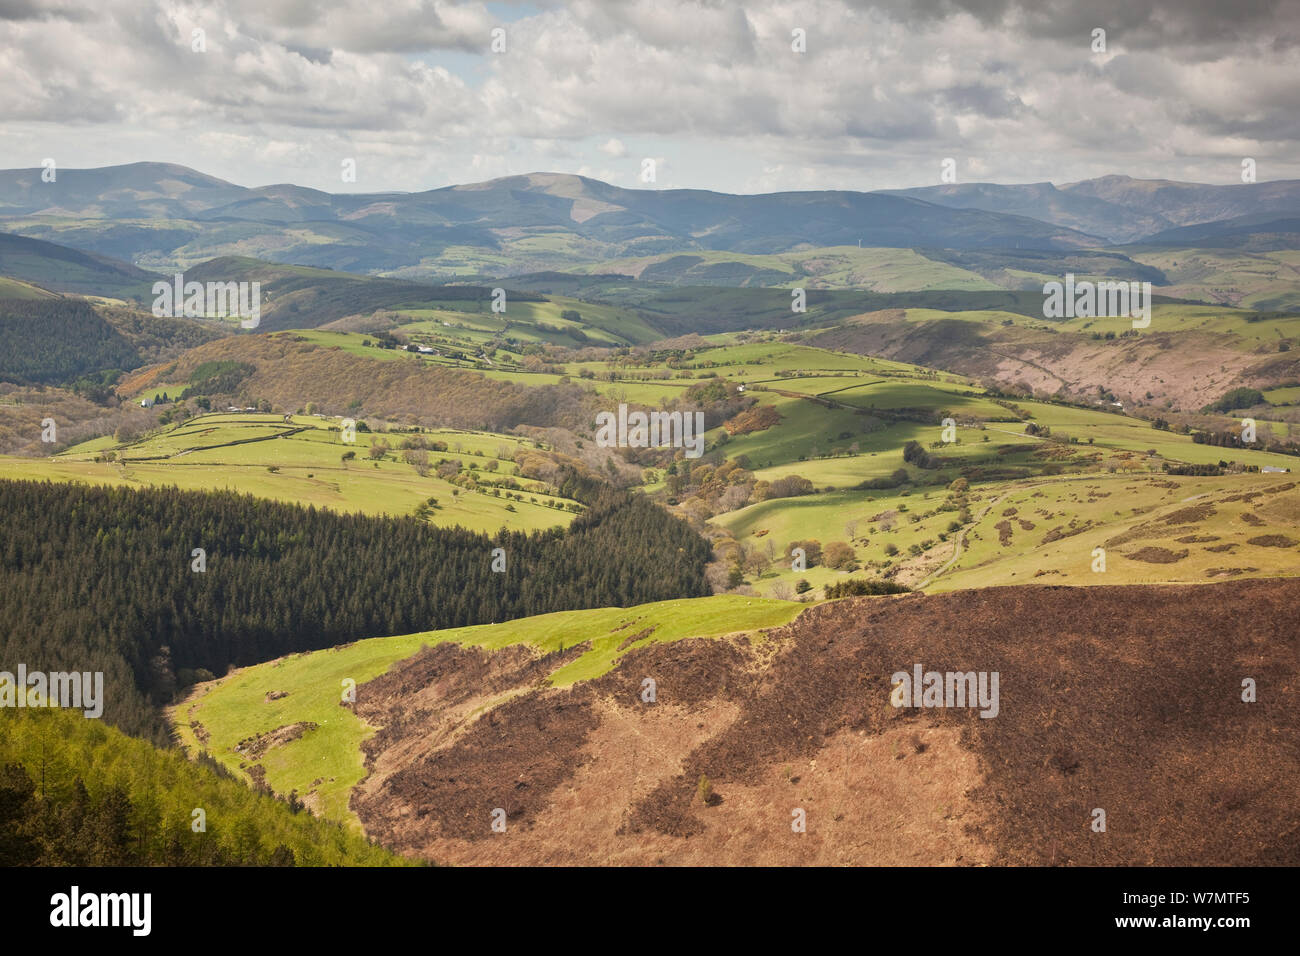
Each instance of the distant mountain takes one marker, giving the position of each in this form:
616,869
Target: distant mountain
167,217
163,216
1259,232
134,191
1118,208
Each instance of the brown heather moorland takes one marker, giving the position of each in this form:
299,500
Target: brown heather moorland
1127,699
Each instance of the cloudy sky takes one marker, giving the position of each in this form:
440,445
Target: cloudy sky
286,90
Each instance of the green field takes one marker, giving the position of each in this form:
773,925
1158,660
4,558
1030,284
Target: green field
828,267
201,455
17,289
1253,280
1125,516
1067,517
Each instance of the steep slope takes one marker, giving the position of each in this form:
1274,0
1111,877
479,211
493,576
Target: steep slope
1186,359
1124,699
291,374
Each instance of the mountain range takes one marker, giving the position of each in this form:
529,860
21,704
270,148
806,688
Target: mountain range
161,216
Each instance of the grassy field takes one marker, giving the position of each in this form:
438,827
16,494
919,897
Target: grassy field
1254,280
837,447
17,289
326,763
600,324
1165,318
1283,396
1155,529
300,462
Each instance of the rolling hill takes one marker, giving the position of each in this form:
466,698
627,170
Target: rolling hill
1117,698
62,269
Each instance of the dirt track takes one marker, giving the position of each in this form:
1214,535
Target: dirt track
1126,699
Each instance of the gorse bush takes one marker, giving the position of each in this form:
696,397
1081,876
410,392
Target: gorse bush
858,587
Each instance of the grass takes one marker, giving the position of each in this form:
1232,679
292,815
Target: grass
1067,517
17,289
236,707
1124,515
308,469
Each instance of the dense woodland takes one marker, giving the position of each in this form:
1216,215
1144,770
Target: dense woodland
57,341
50,341
102,579
74,792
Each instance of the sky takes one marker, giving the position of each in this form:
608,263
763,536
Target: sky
716,94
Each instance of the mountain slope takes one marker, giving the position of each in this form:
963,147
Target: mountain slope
63,269
1118,698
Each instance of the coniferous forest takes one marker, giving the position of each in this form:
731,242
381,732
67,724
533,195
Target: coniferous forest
105,579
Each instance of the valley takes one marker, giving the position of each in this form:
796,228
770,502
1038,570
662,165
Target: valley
445,618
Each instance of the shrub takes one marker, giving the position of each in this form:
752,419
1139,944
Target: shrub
839,555
862,587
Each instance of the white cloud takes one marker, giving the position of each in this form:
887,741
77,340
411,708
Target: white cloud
883,93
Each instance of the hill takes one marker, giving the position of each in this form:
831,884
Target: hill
1258,232
1117,698
132,191
60,340
63,269
559,649
304,461
200,581
301,297
1078,357
290,374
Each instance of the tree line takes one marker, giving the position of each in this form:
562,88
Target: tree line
106,579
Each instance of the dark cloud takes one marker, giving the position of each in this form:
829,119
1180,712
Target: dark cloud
38,10
1139,24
